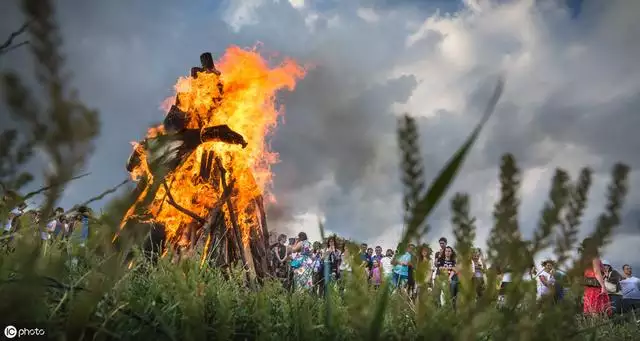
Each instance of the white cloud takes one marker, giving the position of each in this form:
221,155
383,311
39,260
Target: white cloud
368,14
299,4
242,13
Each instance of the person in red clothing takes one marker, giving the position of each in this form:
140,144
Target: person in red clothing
596,299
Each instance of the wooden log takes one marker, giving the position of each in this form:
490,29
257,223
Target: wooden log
205,171
242,251
215,227
180,208
263,220
260,255
193,238
217,249
216,230
225,246
262,243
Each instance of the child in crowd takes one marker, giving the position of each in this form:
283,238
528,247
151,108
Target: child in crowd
376,274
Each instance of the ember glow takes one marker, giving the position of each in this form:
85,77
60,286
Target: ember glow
247,107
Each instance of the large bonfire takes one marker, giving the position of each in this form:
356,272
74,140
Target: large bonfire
215,138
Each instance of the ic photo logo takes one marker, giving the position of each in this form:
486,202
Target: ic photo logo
11,332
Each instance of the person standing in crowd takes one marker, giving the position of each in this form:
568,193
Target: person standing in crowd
627,272
302,264
376,274
401,268
477,266
33,219
422,264
612,277
377,254
545,282
66,222
345,266
333,258
424,255
387,266
52,225
612,280
442,242
318,269
75,224
630,290
443,245
56,226
561,284
13,220
330,263
84,214
279,260
411,278
595,299
369,261
363,253
44,234
345,263
447,265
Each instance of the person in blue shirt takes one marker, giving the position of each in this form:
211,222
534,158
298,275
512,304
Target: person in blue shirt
83,220
363,253
401,267
368,262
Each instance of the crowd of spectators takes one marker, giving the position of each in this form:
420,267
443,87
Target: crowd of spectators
303,265
61,225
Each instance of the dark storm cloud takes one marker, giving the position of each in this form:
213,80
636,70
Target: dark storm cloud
125,59
338,120
631,221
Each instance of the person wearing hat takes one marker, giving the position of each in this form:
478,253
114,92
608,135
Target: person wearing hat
612,280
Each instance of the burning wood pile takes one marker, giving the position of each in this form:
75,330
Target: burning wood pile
207,167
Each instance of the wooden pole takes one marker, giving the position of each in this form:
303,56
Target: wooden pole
263,220
243,252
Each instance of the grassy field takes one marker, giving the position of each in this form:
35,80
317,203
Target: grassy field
102,297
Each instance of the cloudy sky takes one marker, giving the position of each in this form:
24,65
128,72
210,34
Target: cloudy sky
572,91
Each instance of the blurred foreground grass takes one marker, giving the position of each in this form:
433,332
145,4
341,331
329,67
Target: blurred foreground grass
184,301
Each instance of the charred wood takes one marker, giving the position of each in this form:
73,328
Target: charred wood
181,209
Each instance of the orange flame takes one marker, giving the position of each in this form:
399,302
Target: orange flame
248,107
